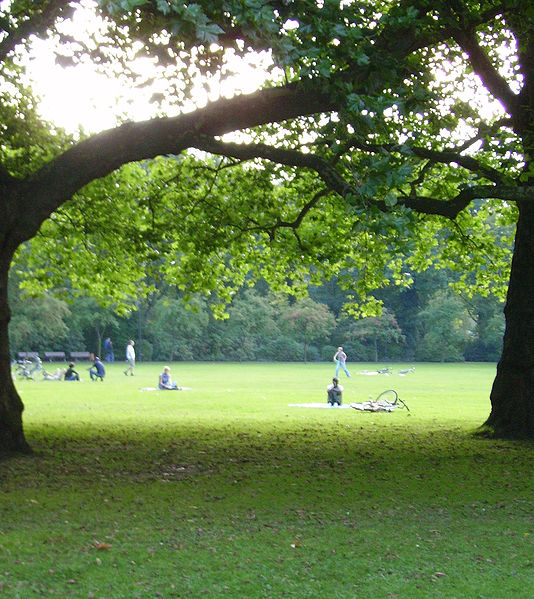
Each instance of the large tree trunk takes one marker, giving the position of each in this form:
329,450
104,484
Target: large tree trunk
11,433
512,395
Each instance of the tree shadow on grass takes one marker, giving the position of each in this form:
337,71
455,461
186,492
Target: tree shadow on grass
372,463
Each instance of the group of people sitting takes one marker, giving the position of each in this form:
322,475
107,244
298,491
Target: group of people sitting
67,374
98,371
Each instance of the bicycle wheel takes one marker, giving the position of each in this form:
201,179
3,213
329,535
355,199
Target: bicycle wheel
388,397
402,404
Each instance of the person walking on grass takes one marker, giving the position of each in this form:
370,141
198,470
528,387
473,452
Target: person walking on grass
340,357
130,358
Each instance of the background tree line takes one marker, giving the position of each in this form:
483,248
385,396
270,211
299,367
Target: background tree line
426,321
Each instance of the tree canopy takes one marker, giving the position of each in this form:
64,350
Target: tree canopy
387,136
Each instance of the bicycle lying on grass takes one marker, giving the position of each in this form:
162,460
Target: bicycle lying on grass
25,369
387,401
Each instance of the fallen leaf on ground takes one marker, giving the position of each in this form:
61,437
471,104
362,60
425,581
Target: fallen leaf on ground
101,546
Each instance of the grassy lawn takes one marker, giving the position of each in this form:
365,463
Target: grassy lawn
226,490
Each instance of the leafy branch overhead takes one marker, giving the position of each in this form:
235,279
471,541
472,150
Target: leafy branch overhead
366,97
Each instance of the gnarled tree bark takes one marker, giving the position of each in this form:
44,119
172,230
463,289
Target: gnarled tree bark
11,432
512,394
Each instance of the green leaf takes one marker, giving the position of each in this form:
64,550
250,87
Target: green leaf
209,32
390,200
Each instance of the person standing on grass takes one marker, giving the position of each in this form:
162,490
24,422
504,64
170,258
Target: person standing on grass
130,358
109,356
340,357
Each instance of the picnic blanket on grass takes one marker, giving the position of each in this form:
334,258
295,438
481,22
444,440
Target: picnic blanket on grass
317,405
156,389
366,406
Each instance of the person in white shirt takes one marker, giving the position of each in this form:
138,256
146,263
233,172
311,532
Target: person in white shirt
130,358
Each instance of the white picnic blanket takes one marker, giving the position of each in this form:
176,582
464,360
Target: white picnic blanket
156,389
316,405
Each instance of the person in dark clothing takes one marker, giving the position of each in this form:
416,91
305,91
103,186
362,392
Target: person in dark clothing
97,371
109,356
71,374
334,392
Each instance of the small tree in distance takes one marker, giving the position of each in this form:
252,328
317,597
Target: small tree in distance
308,321
382,329
446,329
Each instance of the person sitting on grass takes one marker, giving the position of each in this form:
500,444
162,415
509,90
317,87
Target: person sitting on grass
71,374
166,382
334,392
97,371
57,376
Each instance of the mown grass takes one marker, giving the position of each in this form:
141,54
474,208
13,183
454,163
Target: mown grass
226,490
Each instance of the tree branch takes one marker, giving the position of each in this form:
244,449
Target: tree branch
439,157
471,164
328,174
492,80
43,192
333,179
451,208
37,24
483,131
295,224
103,153
525,48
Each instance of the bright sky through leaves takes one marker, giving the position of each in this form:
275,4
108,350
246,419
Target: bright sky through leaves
78,96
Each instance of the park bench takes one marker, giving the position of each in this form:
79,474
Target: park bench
80,355
54,355
27,355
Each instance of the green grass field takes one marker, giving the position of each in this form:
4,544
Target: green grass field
225,490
